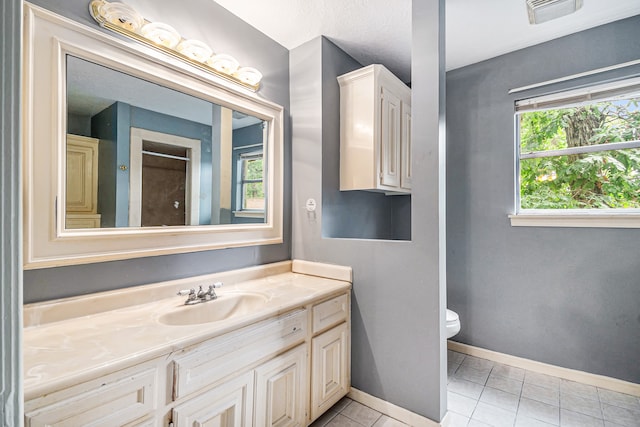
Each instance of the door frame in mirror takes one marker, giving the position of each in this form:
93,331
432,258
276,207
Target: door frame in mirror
192,187
48,39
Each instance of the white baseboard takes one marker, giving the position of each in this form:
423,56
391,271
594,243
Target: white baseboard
544,368
391,410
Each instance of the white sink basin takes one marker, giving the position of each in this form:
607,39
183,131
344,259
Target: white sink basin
224,307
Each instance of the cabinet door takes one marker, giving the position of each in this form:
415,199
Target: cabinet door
281,390
229,405
82,174
405,147
330,359
390,140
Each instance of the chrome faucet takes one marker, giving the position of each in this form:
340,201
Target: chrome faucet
194,297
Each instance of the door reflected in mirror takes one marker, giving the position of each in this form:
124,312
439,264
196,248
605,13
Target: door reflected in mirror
142,155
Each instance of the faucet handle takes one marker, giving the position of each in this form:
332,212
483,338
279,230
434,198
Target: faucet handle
186,292
212,289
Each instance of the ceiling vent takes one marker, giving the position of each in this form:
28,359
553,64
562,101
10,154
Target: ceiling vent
545,10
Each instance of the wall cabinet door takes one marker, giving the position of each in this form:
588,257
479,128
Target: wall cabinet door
281,390
390,134
405,147
229,405
330,364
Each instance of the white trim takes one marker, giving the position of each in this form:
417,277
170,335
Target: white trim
393,411
11,88
192,187
619,89
587,219
611,146
575,76
544,368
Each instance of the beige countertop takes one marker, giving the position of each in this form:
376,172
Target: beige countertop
69,341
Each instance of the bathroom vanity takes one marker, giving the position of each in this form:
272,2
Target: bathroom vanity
272,349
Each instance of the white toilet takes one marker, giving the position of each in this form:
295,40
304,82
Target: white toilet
453,323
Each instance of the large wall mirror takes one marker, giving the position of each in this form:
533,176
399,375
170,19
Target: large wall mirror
129,153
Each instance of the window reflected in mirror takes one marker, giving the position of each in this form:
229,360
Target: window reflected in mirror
142,155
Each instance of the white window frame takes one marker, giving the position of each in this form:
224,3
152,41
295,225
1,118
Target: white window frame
605,218
240,211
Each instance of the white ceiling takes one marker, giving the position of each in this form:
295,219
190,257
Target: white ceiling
379,31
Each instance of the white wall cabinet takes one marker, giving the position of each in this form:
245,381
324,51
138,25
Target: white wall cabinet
375,131
284,371
81,196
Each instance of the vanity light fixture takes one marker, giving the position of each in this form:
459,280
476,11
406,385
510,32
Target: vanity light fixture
125,20
545,10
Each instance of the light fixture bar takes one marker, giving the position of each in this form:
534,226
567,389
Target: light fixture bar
246,77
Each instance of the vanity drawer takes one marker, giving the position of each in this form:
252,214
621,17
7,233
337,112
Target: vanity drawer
330,313
118,399
228,354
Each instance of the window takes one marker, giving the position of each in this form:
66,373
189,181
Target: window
579,154
250,191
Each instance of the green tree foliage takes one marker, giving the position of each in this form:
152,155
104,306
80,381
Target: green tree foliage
253,191
604,179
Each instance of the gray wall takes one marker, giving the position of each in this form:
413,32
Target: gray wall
398,344
565,296
207,21
11,401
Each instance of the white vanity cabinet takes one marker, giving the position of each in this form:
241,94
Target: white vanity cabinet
289,389
281,369
244,367
375,131
330,353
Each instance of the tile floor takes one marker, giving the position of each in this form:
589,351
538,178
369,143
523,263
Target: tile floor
483,393
348,413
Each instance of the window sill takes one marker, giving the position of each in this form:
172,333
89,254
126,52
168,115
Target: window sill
249,214
576,220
